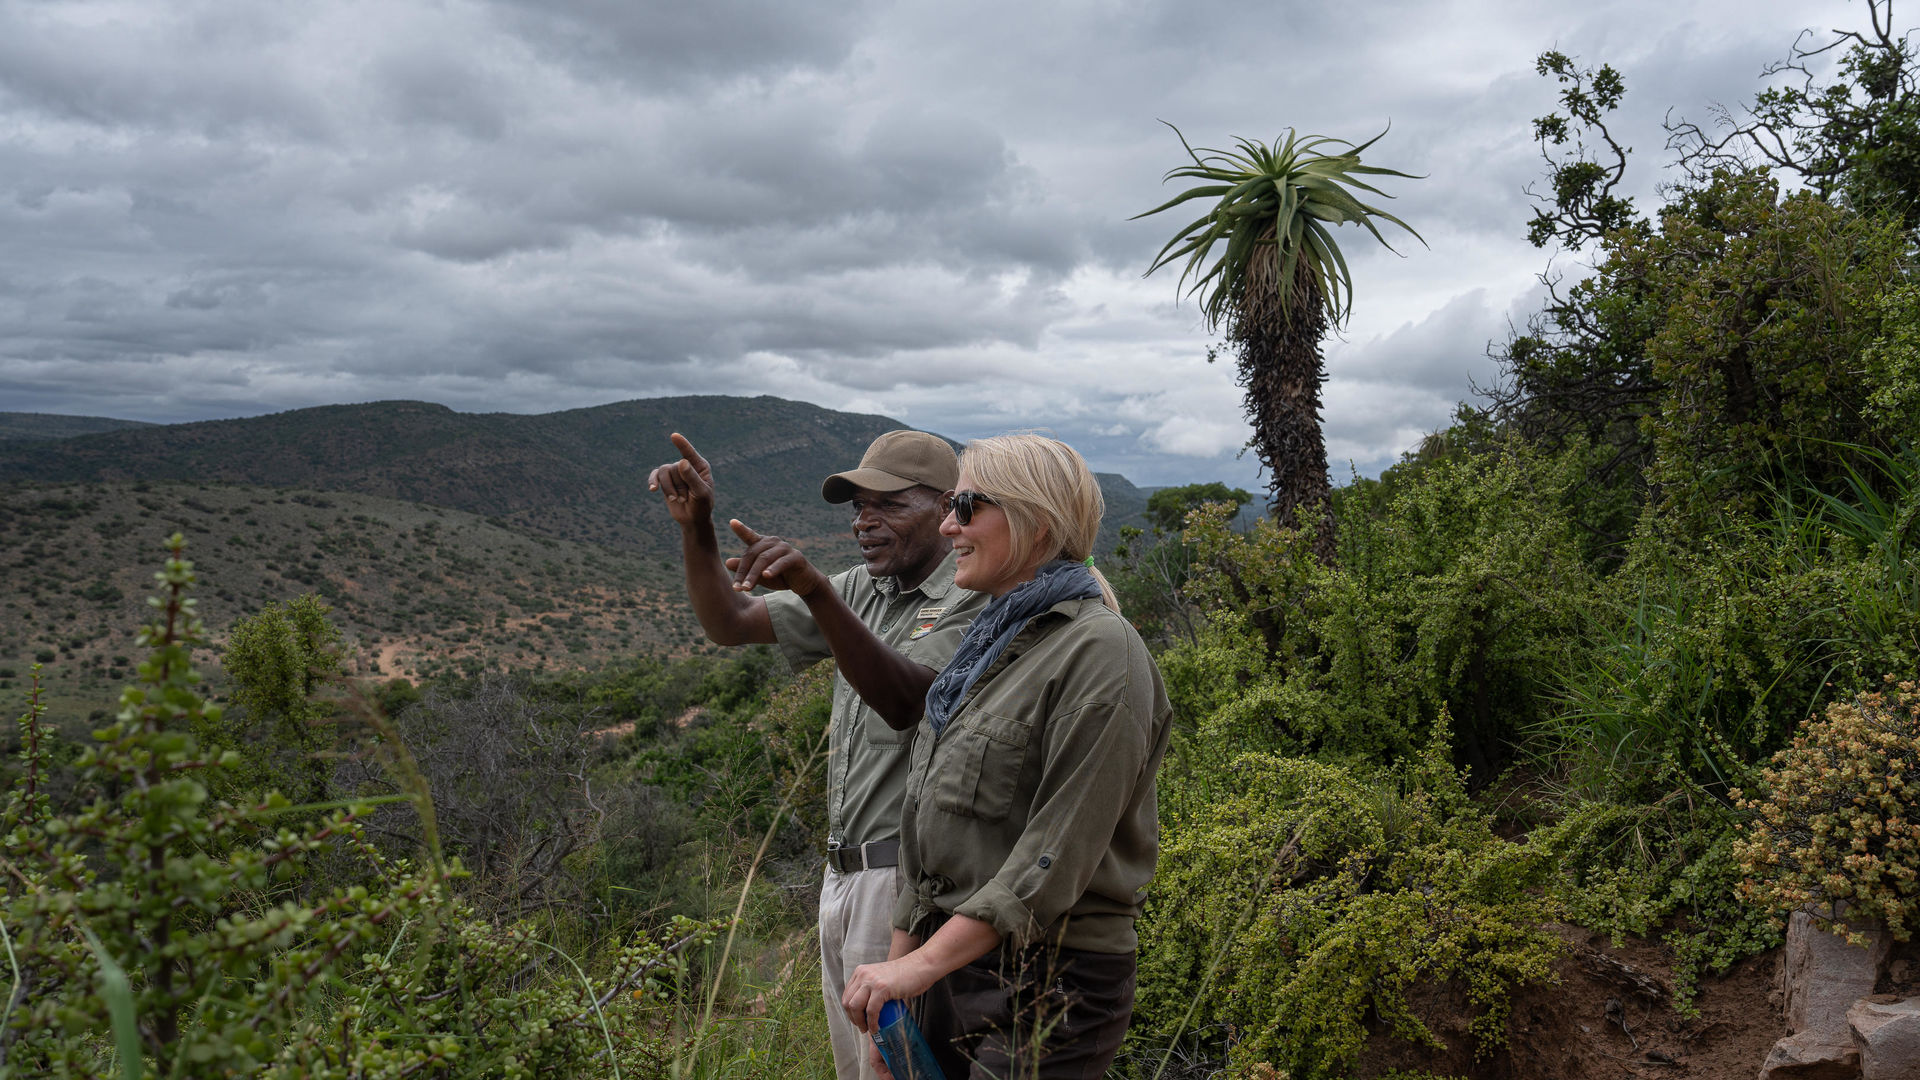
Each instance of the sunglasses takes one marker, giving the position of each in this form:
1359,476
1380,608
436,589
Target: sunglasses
960,504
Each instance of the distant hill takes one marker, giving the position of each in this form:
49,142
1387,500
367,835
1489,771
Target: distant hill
576,475
416,589
27,425
445,541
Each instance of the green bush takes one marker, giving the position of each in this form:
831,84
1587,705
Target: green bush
1770,304
1836,831
276,660
1313,895
1662,869
159,914
1708,648
1459,583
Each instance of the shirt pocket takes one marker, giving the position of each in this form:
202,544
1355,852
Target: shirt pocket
980,768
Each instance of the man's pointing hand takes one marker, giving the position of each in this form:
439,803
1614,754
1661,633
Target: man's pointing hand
686,484
772,562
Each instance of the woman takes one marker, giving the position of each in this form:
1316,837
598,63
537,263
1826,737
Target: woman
1028,830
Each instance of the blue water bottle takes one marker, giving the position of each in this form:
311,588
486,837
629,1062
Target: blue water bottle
900,1042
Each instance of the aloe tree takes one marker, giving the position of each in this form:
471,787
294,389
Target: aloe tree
1278,284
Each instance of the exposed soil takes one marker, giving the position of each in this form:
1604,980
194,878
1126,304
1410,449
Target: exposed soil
1574,1030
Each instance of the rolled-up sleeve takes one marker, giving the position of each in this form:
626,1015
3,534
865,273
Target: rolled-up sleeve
908,910
795,633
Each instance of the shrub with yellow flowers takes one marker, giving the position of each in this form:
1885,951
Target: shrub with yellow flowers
1837,831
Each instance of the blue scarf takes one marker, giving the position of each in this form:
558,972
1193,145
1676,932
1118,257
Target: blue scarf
994,629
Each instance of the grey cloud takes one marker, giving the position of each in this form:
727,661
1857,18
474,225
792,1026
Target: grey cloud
663,43
150,73
218,207
1431,354
469,232
426,86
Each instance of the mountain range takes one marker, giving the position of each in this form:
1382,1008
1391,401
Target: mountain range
574,475
444,541
27,425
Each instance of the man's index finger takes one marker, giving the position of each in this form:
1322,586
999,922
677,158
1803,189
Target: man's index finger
687,451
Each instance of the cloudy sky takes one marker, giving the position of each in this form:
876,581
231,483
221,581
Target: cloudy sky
214,208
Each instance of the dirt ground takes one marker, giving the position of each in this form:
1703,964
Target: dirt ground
1611,1017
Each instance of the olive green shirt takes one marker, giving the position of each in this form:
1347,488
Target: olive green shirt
866,759
1035,808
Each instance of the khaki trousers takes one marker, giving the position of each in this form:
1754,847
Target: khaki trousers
856,927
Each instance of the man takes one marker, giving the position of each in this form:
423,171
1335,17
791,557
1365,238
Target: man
891,624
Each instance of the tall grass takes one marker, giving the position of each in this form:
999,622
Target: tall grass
1878,515
1710,649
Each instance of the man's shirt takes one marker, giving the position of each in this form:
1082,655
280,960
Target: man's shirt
866,759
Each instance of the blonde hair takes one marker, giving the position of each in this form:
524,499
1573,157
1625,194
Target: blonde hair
1048,494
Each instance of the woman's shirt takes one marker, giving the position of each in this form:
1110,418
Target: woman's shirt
1034,810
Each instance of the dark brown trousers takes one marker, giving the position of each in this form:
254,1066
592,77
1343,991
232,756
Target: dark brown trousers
1039,1013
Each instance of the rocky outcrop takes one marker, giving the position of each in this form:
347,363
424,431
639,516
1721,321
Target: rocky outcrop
1822,978
1824,975
1812,1055
1886,1031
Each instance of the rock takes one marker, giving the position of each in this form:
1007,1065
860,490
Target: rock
1886,1029
1823,976
1812,1055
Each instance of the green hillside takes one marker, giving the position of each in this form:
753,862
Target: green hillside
575,475
26,425
445,541
418,590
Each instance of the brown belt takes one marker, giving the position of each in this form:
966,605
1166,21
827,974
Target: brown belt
869,856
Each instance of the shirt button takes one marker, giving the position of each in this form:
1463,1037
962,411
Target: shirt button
1046,861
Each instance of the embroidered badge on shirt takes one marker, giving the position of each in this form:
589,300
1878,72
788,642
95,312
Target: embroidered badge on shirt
926,617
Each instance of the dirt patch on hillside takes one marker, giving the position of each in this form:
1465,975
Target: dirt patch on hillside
1574,1030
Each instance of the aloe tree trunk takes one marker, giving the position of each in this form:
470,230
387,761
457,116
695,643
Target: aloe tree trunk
1276,342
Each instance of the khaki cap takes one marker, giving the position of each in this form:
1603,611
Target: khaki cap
896,461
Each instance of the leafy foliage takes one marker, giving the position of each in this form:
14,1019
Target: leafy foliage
1662,869
1153,565
1836,831
277,660
1708,649
1457,582
1313,894
157,913
1758,355
1893,361
1168,507
1715,349
1583,206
